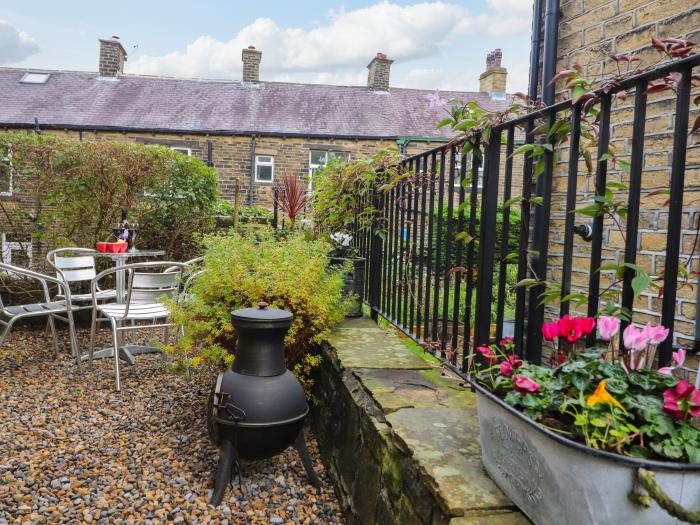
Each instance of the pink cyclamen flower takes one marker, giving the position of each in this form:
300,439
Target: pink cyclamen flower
656,334
489,354
550,331
635,340
608,326
509,366
682,401
678,360
524,385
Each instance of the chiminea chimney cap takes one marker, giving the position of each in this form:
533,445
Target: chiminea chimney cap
261,314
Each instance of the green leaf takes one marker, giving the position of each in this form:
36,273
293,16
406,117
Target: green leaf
445,122
598,422
525,283
604,157
591,210
640,283
523,149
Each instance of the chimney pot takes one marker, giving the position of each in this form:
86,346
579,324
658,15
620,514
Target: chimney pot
251,64
378,74
493,80
112,57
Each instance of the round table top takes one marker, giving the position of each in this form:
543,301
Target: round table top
129,254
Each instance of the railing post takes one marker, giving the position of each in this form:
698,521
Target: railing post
487,227
376,261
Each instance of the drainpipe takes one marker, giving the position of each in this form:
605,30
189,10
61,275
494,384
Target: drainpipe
210,147
535,48
252,171
549,63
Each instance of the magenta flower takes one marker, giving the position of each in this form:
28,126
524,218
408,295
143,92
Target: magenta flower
682,401
608,326
435,100
550,331
489,354
656,334
635,340
509,366
678,359
524,385
507,340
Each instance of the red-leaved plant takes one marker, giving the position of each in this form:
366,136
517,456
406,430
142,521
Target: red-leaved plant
292,198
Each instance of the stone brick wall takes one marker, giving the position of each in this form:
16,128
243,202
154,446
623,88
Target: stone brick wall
589,31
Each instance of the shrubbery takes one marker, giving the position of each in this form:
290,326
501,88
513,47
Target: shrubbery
240,270
81,189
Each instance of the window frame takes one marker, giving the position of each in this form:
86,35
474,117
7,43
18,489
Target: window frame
315,166
182,149
271,164
7,160
468,157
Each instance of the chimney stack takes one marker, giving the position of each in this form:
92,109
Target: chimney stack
493,80
378,75
112,57
251,64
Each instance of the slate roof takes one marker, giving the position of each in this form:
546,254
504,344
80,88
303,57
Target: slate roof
82,100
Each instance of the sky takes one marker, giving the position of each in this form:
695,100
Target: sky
434,44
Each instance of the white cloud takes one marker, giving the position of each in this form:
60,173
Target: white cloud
349,39
15,45
523,7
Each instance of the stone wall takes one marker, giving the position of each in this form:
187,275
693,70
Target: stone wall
400,442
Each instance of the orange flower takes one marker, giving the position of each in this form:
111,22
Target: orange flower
603,396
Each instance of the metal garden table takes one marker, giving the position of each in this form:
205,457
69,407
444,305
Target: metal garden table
126,352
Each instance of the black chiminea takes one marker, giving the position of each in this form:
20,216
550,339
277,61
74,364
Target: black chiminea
257,410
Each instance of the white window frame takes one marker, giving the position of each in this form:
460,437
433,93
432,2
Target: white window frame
458,171
7,160
183,150
13,246
314,166
270,163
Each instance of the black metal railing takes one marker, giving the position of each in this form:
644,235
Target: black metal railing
452,294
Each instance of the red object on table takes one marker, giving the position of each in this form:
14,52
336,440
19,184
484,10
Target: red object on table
102,247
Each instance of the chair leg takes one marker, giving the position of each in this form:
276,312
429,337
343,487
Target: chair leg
93,327
115,345
52,326
8,327
75,348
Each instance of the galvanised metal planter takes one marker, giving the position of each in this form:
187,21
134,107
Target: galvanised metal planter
354,282
553,479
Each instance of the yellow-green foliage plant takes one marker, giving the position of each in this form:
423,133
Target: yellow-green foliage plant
241,269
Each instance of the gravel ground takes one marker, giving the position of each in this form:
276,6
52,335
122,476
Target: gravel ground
72,450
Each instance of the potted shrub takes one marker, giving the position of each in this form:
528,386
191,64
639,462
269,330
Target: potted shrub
348,256
599,438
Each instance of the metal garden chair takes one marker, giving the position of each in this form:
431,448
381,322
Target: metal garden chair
52,309
148,283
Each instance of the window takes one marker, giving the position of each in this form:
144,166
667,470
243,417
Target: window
20,249
319,159
6,172
264,168
458,168
184,151
35,78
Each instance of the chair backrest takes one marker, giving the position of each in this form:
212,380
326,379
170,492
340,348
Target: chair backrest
152,287
72,268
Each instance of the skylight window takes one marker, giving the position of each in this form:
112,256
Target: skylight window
35,78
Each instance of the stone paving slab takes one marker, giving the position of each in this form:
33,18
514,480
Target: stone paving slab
445,442
394,389
358,345
507,518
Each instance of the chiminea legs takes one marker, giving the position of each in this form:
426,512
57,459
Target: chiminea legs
300,445
228,457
